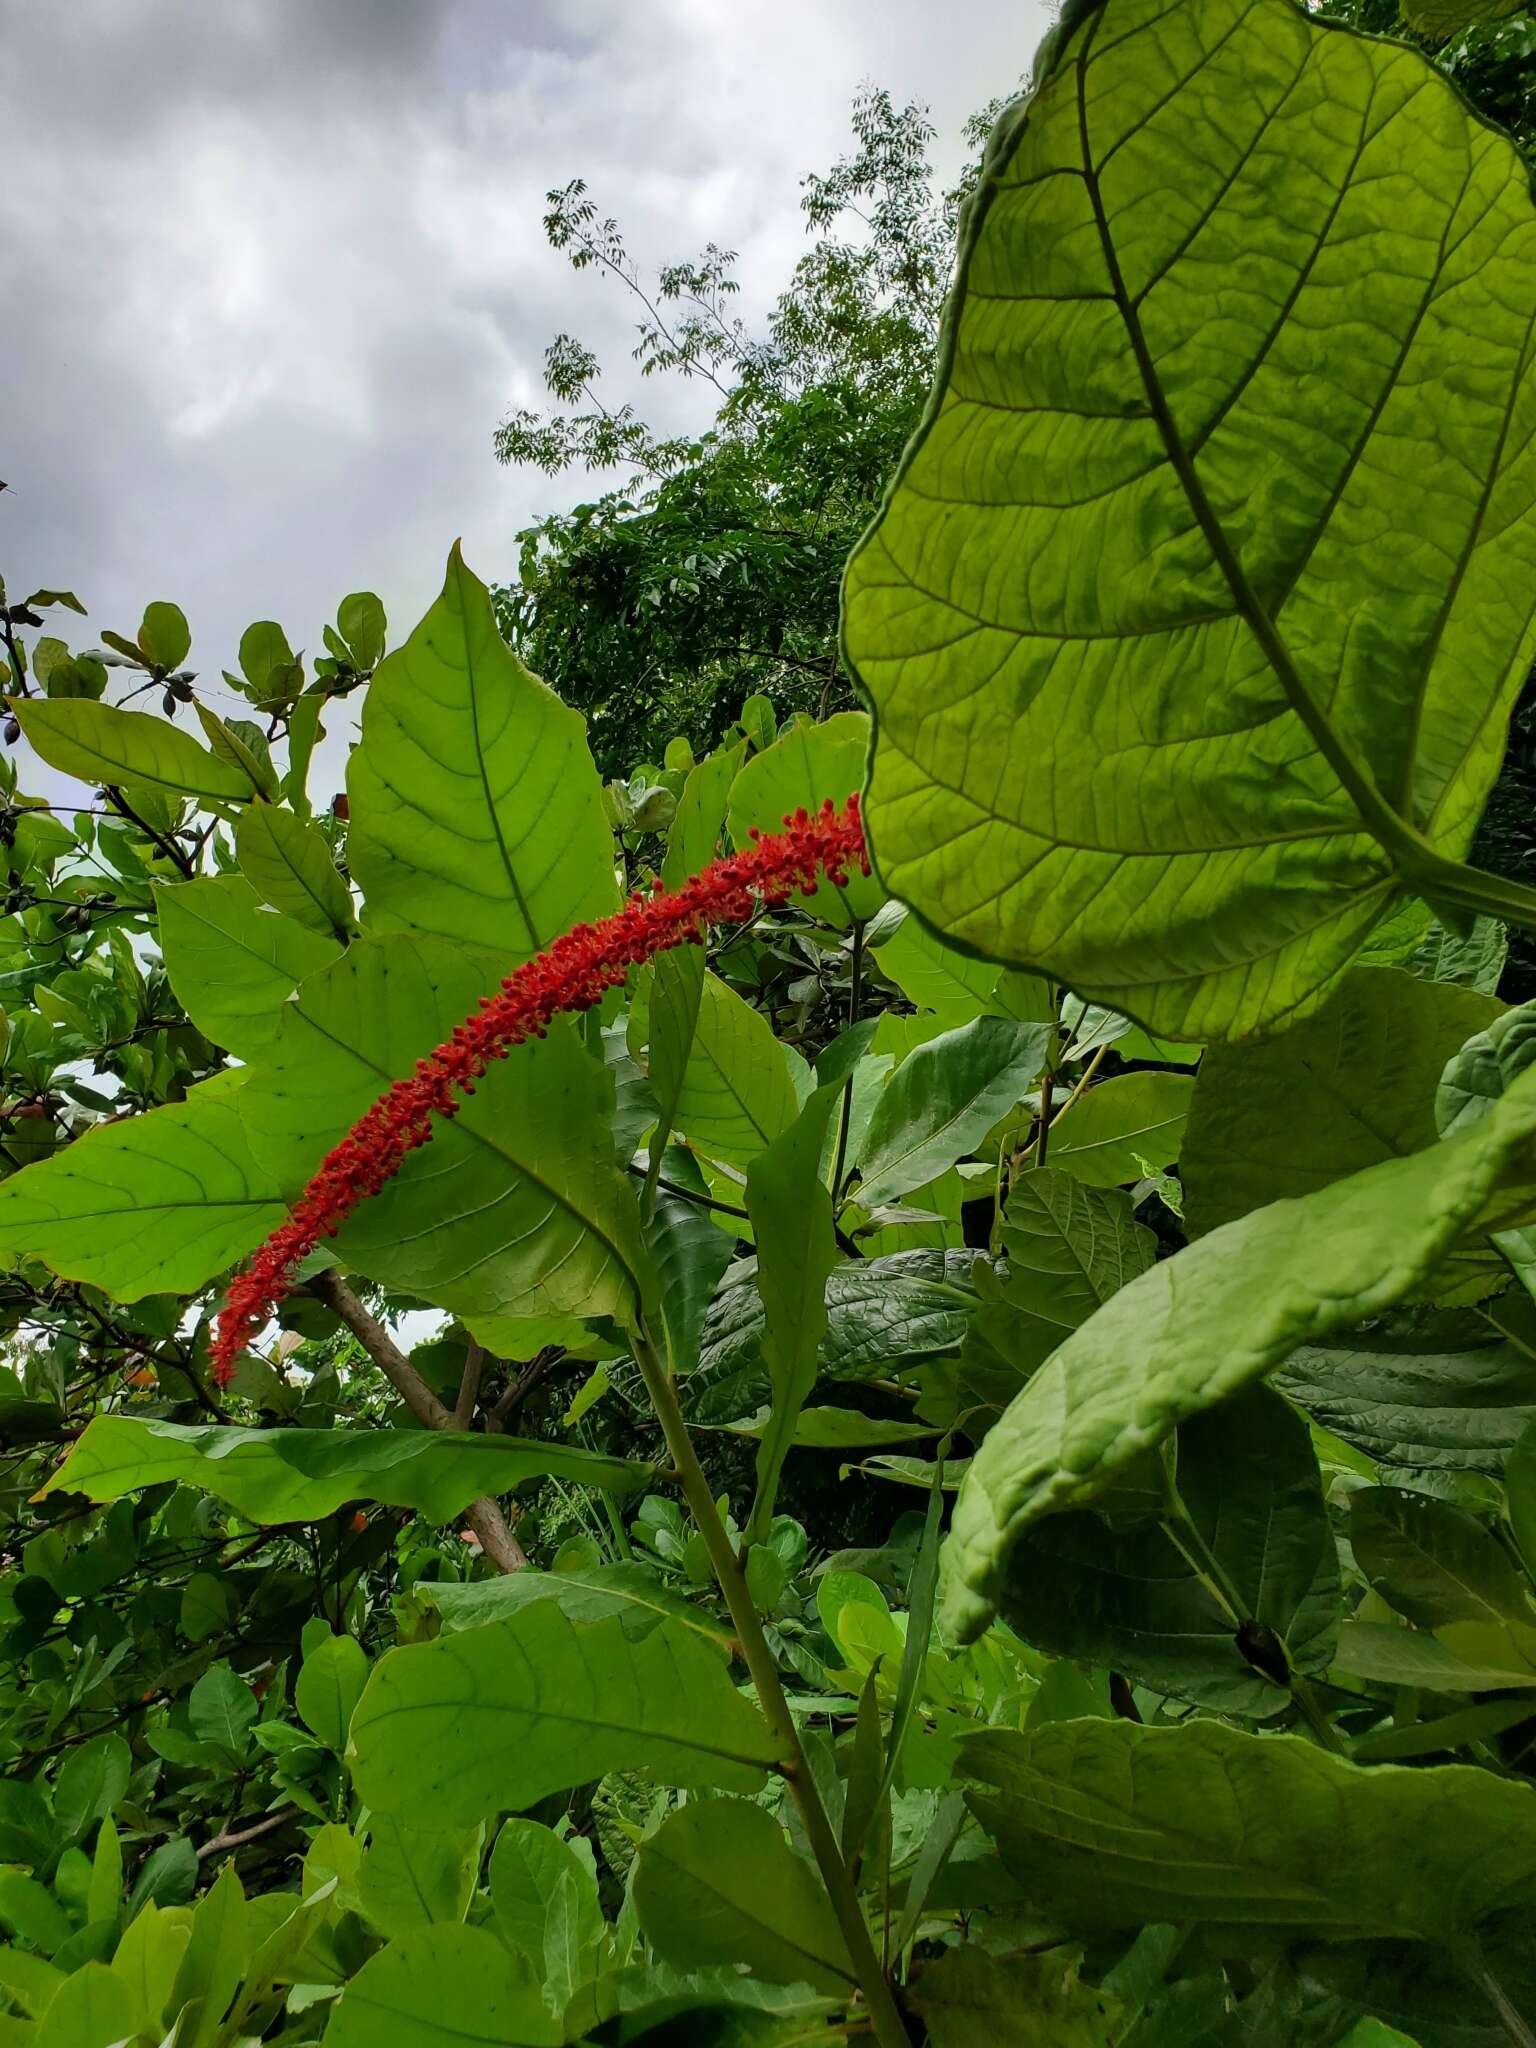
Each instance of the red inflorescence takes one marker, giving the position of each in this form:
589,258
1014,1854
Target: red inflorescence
572,974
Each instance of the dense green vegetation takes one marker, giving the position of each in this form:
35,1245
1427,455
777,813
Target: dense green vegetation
955,1461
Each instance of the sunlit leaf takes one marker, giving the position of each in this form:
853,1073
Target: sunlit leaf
1176,646
157,1204
476,812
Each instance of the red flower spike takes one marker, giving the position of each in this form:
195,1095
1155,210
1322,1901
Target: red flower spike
571,975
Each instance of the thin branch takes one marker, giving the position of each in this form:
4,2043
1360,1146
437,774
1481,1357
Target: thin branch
235,1840
687,1195
168,847
469,1386
482,1515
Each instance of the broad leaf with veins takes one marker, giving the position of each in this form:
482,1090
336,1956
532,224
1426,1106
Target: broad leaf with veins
1194,617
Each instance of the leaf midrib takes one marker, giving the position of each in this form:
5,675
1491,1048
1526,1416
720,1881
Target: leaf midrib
561,1201
1379,818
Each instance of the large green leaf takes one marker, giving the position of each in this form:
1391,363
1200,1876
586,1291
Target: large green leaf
1177,646
1115,1132
231,963
954,985
791,1214
99,743
1420,1401
1069,1248
329,1685
289,865
300,1475
1130,1599
496,1718
545,1900
444,1987
676,979
799,772
157,1204
693,839
737,1091
418,1877
689,1252
718,1883
716,2008
1347,1087
1111,1824
942,1100
476,812
884,1316
1223,1312
516,1206
674,998
640,1599
1437,20
1474,1077
1433,1561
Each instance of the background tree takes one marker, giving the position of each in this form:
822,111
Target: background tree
710,570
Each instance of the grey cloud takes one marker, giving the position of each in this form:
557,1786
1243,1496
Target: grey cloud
274,268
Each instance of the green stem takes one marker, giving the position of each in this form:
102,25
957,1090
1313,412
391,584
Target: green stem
1180,1528
1474,889
889,2029
1470,1957
845,1114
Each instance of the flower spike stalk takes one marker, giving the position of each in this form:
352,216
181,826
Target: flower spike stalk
571,975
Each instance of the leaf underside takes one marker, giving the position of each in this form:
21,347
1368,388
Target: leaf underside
1143,527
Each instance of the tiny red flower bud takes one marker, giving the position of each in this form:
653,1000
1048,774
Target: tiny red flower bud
571,975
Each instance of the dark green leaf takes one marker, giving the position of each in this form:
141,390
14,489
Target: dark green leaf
1220,1314
1413,1400
972,2000
299,1475
1434,1562
1349,1087
1113,1825
791,1214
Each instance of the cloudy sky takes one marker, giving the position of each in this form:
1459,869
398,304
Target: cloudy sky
274,268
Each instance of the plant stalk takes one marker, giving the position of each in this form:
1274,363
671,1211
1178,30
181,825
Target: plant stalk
484,1516
890,2030
1179,1526
845,1109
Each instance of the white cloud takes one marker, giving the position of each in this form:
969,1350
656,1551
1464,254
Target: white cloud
275,269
